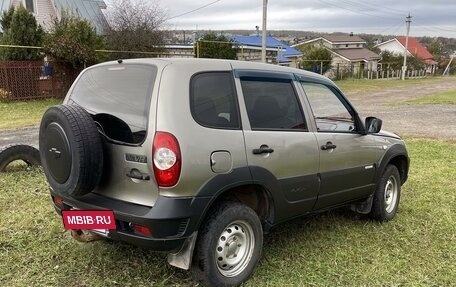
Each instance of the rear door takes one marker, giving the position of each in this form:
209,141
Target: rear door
347,158
118,97
280,149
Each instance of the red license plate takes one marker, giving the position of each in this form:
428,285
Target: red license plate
89,219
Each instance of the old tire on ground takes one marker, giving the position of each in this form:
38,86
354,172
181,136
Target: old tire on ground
229,245
387,195
26,153
71,150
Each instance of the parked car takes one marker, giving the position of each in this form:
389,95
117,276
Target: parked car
199,158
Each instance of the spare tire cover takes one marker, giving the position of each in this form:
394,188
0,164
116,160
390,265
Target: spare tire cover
71,150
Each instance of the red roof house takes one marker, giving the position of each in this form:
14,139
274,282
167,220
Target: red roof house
414,48
417,50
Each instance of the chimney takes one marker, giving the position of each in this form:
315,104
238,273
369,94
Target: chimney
351,34
257,30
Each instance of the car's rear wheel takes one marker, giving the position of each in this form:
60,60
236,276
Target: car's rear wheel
387,195
229,245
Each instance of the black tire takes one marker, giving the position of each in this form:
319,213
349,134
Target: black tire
216,263
71,150
387,195
26,153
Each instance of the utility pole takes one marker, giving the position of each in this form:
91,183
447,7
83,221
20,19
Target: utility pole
263,40
408,19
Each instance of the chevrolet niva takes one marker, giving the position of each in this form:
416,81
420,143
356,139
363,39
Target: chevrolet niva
199,158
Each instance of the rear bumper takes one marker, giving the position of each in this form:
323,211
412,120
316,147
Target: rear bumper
171,220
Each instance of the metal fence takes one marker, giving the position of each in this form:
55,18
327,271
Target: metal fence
357,71
26,80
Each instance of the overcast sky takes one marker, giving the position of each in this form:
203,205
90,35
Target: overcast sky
430,17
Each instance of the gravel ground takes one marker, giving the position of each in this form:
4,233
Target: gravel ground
435,121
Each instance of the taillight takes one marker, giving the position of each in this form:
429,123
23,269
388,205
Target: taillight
166,159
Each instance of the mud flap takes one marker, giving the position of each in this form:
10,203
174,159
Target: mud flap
183,258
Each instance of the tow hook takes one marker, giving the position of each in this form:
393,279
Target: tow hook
84,235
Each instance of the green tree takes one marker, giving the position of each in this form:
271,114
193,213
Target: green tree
22,30
215,47
314,58
436,49
391,61
73,40
7,17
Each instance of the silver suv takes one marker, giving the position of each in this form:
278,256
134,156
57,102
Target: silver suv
200,158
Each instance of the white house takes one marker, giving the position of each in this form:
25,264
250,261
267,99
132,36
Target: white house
45,10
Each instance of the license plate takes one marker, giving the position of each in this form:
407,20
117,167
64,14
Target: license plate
98,221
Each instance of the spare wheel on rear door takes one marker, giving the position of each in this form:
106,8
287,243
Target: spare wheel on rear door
71,150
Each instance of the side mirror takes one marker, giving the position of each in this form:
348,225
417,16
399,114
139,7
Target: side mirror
373,125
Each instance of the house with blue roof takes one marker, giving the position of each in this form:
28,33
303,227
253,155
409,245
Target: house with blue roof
46,10
276,51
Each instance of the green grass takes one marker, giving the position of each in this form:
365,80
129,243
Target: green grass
443,98
337,248
20,114
364,85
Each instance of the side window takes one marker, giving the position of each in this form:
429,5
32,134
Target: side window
272,105
329,112
213,100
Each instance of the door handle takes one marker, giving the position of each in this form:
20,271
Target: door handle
328,145
263,149
136,174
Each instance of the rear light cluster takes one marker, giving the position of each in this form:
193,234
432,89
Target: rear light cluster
167,160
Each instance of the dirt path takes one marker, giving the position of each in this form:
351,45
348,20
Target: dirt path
435,121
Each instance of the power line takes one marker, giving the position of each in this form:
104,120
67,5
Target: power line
377,7
355,11
194,10
435,28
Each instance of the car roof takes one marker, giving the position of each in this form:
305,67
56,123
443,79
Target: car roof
235,64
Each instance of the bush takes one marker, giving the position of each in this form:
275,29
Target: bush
73,40
315,58
215,47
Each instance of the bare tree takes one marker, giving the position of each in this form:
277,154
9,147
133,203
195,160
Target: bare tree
134,26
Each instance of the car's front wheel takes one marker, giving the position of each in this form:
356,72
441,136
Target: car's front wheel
229,245
387,195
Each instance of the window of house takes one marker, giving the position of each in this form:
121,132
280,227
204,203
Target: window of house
272,104
29,5
330,113
213,100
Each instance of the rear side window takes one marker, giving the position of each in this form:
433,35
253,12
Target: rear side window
272,104
118,97
213,100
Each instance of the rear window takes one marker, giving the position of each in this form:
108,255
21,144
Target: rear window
118,97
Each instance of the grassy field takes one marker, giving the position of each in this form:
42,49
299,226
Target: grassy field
337,248
363,85
20,114
443,98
